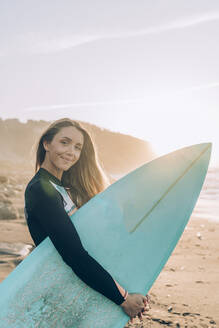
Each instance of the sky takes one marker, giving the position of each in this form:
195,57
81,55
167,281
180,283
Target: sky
145,68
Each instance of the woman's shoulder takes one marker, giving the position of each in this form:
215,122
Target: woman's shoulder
39,185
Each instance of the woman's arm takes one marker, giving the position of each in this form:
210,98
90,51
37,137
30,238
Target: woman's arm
45,205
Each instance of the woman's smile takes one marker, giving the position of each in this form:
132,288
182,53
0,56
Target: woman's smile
67,160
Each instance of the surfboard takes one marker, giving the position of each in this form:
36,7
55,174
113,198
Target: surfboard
131,228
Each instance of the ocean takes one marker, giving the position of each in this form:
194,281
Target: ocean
207,206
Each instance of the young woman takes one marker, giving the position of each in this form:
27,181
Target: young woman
66,157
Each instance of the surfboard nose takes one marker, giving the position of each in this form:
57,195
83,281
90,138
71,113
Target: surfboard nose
152,182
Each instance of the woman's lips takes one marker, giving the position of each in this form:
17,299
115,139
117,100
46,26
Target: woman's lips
67,160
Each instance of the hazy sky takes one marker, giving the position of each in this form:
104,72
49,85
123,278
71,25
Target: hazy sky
146,68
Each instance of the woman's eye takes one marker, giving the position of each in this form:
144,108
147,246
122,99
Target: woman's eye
66,143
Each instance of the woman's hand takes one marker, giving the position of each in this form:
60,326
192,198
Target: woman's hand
135,304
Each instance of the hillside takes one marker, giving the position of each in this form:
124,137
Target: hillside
117,152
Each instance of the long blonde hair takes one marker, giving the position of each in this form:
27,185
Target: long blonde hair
84,179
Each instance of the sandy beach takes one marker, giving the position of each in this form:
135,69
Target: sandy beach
186,293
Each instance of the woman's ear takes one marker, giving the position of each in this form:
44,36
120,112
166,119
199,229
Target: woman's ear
45,145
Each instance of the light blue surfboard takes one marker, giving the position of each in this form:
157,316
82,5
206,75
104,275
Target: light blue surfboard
131,229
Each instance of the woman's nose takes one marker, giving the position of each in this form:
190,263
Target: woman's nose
71,150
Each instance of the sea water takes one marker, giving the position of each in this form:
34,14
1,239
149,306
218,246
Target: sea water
207,206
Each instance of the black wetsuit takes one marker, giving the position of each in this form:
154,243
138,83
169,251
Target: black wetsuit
46,217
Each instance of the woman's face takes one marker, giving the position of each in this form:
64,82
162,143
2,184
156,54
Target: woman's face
65,148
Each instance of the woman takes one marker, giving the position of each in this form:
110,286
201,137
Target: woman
66,157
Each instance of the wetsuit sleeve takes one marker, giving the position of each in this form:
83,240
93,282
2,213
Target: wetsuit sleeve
47,208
